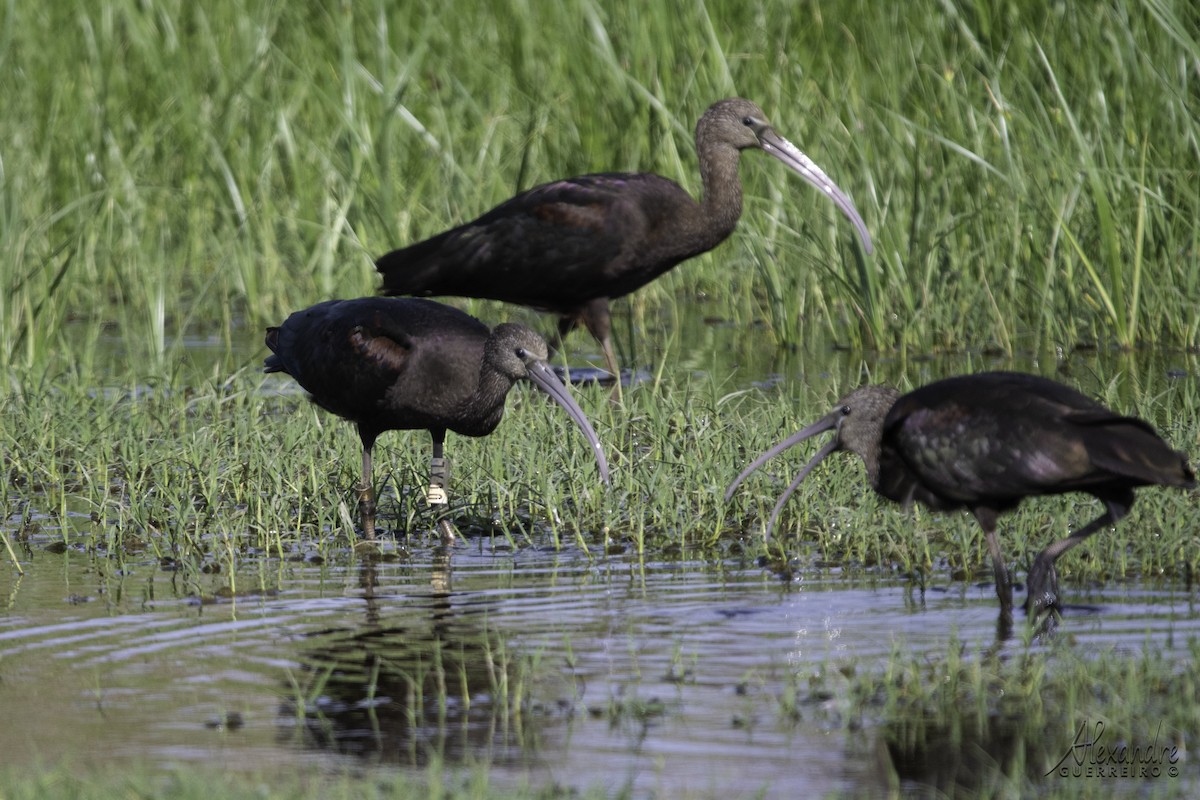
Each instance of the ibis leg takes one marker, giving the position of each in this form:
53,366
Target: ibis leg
439,477
610,359
366,496
987,520
439,480
597,318
1043,577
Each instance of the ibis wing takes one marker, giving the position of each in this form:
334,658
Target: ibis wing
350,354
1001,436
1129,449
994,436
556,246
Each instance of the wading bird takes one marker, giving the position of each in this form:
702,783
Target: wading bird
404,364
985,442
570,246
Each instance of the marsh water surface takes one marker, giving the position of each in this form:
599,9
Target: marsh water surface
651,675
550,666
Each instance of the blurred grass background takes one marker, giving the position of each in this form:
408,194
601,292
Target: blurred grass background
1030,174
178,175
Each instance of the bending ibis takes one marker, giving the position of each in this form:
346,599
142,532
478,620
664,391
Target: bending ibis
570,246
405,363
984,442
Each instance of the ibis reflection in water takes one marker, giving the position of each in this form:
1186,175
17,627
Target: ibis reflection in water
984,442
417,682
570,246
404,364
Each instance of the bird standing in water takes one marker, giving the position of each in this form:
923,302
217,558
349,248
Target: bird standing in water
403,364
985,442
570,246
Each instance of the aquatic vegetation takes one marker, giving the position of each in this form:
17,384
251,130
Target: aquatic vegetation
196,171
1028,178
1045,721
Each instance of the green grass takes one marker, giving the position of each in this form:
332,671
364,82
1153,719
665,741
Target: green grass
194,474
195,477
175,173
1029,178
973,724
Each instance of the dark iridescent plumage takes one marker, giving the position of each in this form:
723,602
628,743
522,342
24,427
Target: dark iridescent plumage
572,245
985,442
404,364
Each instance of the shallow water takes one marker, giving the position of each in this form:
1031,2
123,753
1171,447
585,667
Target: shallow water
654,677
552,667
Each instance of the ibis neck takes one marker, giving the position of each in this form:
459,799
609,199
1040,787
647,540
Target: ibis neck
721,203
871,462
482,410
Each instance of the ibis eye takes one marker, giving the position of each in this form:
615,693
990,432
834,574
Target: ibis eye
748,122
845,411
521,353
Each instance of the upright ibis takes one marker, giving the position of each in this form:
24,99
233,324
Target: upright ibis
985,442
570,246
405,363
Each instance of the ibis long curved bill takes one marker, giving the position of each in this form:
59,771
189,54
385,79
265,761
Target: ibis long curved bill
795,159
543,376
388,363
985,442
830,421
571,246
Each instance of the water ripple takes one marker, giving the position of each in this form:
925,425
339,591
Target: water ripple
639,676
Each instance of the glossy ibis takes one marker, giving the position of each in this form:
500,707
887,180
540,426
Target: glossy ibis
985,442
403,364
570,246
